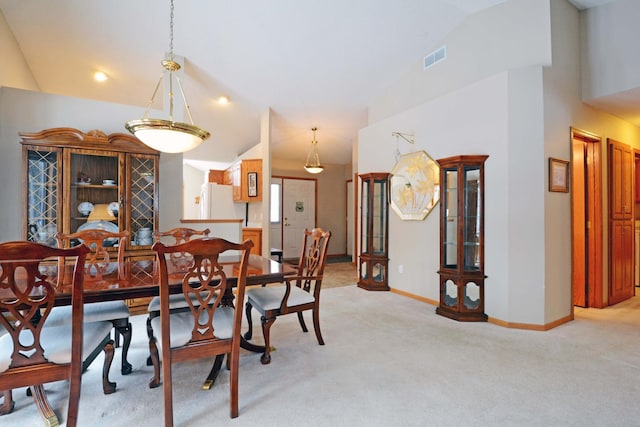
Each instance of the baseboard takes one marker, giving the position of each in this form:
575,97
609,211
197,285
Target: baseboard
493,320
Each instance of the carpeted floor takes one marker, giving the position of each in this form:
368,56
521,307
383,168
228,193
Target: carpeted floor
390,361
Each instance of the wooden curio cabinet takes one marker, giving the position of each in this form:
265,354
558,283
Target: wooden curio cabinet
374,232
462,238
71,176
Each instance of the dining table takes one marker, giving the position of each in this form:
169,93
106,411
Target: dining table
138,277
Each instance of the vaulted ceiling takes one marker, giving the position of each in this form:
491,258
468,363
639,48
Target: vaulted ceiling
312,62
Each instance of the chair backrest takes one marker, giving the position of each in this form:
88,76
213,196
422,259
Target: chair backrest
100,261
180,261
28,280
180,234
312,259
204,280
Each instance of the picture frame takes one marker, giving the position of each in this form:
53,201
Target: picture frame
558,175
252,183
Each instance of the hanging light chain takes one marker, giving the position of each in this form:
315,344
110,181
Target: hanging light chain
171,32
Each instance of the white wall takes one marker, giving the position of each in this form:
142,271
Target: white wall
14,71
472,120
193,179
610,60
510,35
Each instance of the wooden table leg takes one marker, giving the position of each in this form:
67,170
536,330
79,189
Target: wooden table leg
44,407
217,364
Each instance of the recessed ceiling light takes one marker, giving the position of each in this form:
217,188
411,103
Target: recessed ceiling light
223,100
100,76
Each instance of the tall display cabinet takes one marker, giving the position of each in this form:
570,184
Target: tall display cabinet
75,180
462,238
374,232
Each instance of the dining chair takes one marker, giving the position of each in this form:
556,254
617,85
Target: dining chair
299,293
208,328
100,265
32,352
179,262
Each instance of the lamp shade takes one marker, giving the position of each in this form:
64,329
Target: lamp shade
101,213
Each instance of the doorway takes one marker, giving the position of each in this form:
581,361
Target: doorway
586,211
297,212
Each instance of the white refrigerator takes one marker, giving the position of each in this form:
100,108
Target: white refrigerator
216,202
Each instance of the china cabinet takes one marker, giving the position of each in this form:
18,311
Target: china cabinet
75,181
374,232
462,238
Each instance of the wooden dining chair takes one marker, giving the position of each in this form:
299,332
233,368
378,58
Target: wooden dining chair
179,262
32,352
100,265
300,293
208,328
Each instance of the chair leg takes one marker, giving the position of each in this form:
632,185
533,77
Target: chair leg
233,383
302,324
155,359
8,403
249,333
125,331
150,336
108,387
266,326
316,325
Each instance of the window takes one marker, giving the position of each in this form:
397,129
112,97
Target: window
275,213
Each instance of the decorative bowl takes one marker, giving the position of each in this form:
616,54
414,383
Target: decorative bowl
85,208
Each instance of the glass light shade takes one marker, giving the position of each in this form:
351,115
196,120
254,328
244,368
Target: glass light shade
314,169
167,136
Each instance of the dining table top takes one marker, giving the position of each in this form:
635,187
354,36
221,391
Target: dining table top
137,277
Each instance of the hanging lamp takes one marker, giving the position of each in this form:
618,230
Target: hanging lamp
313,164
167,135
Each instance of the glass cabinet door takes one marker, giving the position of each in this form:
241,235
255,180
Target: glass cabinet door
450,207
44,181
142,198
94,191
379,216
471,229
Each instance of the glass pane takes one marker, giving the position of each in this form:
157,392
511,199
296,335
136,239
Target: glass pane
378,273
471,226
274,209
363,270
450,293
42,207
364,237
94,191
379,216
142,200
471,296
450,206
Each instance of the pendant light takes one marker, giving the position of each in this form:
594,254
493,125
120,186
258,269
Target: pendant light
165,135
313,160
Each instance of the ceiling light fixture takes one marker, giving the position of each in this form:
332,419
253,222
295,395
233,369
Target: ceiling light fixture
163,135
313,161
223,100
100,76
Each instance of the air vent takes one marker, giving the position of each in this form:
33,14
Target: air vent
435,57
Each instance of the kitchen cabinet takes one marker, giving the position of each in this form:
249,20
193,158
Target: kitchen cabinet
255,234
246,178
462,238
70,175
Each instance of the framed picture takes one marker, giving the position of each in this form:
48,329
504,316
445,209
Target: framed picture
558,175
252,182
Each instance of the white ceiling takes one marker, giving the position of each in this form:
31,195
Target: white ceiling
313,62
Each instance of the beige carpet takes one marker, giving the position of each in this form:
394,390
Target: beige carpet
339,274
391,361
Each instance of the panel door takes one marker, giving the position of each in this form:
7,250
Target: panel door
299,212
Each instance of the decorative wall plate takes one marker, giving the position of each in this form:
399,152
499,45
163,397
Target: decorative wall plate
414,185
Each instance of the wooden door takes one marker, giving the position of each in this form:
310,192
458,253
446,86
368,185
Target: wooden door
621,227
587,220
